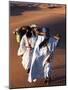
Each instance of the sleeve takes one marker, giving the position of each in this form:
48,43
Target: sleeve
54,45
37,52
22,48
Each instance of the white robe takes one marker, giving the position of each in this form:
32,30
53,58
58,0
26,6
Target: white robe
34,68
47,70
25,51
39,58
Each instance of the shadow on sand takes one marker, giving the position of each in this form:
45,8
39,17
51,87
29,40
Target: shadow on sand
60,67
18,9
59,81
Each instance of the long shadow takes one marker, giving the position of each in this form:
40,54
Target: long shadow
60,67
61,78
58,81
18,9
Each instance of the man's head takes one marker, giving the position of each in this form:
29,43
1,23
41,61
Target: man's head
28,32
33,25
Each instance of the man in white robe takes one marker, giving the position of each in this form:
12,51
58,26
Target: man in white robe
40,68
52,44
36,54
34,67
25,50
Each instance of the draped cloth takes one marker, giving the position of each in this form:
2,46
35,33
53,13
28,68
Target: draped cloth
37,69
25,51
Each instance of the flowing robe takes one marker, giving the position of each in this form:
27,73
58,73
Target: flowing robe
25,51
38,70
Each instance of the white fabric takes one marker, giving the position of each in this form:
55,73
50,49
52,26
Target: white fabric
26,52
35,56
38,70
52,44
26,59
47,68
39,40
